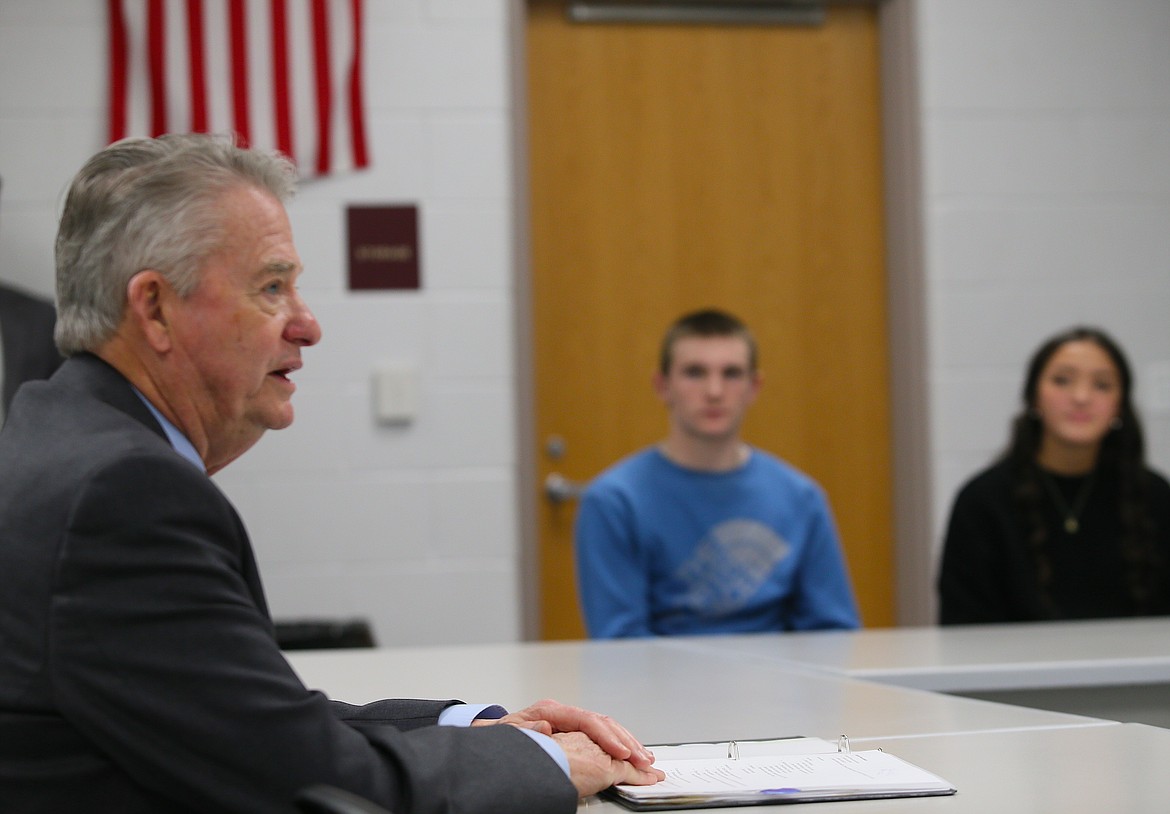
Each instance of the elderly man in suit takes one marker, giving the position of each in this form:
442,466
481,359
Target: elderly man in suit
138,667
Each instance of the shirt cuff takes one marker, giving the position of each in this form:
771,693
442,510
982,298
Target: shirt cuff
464,714
552,748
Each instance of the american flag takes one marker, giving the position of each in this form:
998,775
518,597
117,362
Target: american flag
281,74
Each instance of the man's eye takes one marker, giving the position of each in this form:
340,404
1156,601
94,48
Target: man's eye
274,287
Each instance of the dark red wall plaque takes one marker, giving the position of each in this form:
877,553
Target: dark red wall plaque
383,247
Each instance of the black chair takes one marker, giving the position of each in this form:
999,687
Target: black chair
323,799
323,634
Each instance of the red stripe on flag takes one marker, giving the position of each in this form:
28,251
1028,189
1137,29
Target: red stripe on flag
324,90
197,57
156,58
281,93
357,124
238,40
119,72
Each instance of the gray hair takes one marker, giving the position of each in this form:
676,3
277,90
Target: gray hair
147,204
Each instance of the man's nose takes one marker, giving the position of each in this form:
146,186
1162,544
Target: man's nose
303,328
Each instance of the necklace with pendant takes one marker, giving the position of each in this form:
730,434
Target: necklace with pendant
1071,514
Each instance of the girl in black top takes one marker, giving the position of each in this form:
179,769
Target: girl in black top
1069,523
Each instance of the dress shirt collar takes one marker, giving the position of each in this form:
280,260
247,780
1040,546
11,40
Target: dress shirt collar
179,441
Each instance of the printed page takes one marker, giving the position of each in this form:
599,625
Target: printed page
791,776
717,750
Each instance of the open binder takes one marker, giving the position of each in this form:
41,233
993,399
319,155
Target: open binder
783,770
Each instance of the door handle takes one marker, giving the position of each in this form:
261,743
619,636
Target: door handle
559,489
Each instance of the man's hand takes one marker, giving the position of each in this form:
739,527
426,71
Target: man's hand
592,770
553,718
601,751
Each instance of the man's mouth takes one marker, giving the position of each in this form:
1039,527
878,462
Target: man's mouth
283,372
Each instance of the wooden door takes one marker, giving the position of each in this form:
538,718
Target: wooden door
680,166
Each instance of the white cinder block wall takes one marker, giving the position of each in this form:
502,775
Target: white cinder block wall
1046,138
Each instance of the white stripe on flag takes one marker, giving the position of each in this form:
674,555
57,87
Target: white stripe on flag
260,84
219,72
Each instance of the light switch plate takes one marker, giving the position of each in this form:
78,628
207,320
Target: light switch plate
395,393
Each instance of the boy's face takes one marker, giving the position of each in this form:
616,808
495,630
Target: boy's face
709,386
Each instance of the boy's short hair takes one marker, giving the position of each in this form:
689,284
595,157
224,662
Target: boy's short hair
706,322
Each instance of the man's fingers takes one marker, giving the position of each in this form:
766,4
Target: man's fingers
616,740
607,733
542,727
640,777
593,770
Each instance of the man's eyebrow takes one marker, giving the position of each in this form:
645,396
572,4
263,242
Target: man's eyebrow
283,267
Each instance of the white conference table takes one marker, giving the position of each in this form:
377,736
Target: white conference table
1115,669
662,693
1003,758
971,657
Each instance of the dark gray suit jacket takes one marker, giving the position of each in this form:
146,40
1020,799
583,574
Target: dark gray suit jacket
138,667
26,339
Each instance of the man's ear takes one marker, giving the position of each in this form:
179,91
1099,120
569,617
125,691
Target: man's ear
148,297
756,377
658,381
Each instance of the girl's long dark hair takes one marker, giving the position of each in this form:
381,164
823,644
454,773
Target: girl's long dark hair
1121,459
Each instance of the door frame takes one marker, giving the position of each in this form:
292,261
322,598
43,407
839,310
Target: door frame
906,313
